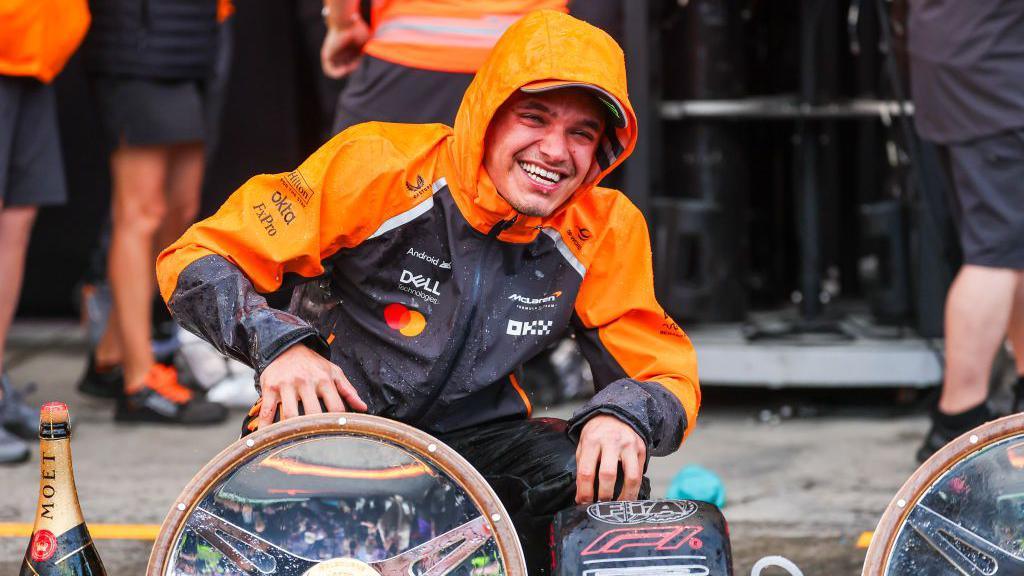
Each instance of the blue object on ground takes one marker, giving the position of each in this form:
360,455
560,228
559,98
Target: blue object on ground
697,483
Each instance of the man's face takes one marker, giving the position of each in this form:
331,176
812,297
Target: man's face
539,148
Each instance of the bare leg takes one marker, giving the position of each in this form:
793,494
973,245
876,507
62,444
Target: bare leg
108,350
977,313
15,229
1016,331
184,185
139,174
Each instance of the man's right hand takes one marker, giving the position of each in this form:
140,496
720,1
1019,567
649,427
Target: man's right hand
301,375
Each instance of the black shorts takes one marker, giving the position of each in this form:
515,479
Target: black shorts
381,91
988,182
31,166
149,112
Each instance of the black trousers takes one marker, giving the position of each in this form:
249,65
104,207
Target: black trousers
531,465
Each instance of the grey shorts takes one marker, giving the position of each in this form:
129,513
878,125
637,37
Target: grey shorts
148,112
988,178
31,166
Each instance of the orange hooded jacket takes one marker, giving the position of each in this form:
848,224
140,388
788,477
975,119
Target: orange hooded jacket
433,291
38,36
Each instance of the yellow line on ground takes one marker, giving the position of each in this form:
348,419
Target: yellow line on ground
98,531
865,540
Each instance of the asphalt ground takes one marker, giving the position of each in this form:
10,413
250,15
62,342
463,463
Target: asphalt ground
806,472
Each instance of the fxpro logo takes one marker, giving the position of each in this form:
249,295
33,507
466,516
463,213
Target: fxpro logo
526,303
420,286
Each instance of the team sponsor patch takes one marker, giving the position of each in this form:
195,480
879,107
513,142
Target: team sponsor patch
579,236
283,207
527,303
406,322
670,328
529,327
265,218
417,188
420,286
296,186
443,264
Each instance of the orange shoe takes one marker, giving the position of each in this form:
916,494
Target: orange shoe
162,399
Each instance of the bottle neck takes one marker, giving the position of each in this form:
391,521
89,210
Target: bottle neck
58,510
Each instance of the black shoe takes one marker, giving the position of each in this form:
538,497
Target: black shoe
15,414
948,427
12,449
937,437
162,399
107,383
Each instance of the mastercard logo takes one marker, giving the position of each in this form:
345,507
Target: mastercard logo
408,322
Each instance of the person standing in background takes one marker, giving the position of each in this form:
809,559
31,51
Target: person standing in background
148,62
415,58
36,39
967,76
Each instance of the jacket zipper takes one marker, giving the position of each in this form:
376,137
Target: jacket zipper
437,381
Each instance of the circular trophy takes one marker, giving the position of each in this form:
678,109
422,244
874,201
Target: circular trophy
961,512
337,495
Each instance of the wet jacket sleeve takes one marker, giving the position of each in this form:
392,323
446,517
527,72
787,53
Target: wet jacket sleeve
644,365
275,225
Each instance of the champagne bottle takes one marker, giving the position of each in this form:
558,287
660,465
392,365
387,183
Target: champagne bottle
60,543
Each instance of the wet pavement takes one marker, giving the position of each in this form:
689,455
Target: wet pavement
802,480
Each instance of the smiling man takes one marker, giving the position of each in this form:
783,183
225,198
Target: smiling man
447,258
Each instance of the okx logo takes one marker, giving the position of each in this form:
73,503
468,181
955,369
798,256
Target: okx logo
529,327
407,322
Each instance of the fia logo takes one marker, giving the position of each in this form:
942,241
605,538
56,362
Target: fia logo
646,512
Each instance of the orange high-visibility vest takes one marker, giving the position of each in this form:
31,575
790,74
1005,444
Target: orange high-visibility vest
445,35
38,36
225,8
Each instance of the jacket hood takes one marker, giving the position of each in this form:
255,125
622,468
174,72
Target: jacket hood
544,48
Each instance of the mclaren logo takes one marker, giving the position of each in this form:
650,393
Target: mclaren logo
535,301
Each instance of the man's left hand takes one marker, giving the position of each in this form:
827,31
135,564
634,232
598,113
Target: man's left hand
605,443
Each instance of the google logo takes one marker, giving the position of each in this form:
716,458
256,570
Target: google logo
408,322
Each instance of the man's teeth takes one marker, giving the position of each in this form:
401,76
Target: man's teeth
539,174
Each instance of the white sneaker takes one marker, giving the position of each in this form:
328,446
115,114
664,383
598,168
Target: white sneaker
236,368
236,391
202,361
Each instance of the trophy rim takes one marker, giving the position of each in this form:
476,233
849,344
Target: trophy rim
415,441
884,537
